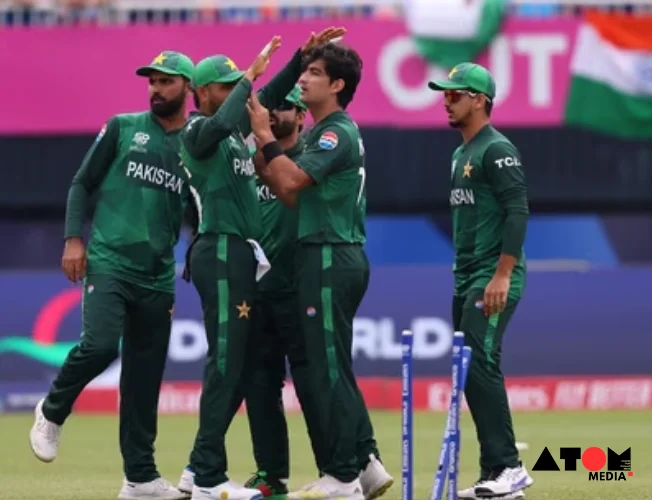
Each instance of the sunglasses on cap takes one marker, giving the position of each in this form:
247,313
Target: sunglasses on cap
454,96
285,106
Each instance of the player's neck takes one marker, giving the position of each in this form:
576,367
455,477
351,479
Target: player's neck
174,122
289,141
469,131
322,110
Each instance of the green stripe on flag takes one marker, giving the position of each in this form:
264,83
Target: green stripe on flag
594,105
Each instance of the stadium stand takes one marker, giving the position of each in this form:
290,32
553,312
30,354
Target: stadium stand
65,12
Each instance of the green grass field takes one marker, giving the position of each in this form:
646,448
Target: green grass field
89,466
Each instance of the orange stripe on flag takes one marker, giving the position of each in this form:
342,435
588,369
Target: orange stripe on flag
622,30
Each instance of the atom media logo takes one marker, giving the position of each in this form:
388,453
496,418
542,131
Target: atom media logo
593,459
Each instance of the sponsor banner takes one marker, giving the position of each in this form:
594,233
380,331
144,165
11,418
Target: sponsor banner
530,61
432,394
568,323
579,323
21,396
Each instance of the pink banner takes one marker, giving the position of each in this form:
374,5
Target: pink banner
70,80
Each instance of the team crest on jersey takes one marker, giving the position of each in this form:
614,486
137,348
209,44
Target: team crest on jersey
328,140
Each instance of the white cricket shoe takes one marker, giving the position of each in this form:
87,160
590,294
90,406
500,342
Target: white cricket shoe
469,494
44,436
229,490
187,481
159,489
510,480
375,480
329,488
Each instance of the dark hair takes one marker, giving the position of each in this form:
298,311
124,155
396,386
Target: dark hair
340,62
195,98
488,106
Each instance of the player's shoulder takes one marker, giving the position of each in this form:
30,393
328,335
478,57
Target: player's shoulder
336,132
135,118
496,141
192,121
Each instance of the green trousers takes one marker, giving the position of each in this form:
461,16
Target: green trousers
276,337
223,270
331,282
485,385
112,310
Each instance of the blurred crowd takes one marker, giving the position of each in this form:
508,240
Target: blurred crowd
55,12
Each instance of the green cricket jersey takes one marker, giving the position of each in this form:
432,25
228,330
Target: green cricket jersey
279,233
134,168
219,163
490,210
333,209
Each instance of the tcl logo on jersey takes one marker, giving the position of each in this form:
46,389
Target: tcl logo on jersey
509,161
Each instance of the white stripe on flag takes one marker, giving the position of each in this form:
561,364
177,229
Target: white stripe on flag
628,71
445,19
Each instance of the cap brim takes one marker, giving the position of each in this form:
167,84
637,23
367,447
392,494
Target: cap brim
147,70
230,78
446,85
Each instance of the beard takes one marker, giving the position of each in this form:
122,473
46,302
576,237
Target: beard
167,108
283,129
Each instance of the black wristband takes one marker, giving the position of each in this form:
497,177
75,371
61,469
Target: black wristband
271,150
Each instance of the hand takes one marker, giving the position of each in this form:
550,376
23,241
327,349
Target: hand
73,261
261,62
495,295
322,37
259,116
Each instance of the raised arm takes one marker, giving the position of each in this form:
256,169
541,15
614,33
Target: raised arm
202,134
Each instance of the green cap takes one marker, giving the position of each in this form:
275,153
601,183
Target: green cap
215,69
295,98
468,76
170,63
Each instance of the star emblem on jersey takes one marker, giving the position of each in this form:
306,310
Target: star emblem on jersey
229,62
159,59
467,170
243,310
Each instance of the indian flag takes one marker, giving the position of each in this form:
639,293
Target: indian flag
448,32
611,86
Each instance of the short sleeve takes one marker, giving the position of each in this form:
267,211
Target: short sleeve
327,155
504,168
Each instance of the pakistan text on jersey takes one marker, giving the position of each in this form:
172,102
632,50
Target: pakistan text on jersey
461,196
264,193
244,167
155,175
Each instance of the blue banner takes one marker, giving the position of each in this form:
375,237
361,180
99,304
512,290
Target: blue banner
584,323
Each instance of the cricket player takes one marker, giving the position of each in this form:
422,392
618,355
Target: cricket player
128,273
277,324
327,184
490,212
226,259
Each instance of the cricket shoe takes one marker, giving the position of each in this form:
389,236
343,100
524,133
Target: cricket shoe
329,488
229,490
187,481
270,487
374,479
509,480
158,489
44,436
469,494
